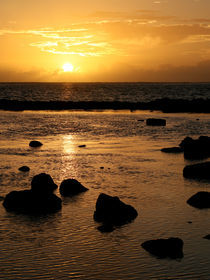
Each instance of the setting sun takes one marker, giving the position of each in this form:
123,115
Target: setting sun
68,67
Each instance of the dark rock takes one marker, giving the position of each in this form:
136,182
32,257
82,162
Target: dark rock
196,148
172,150
156,122
24,168
141,120
35,144
207,236
197,171
112,211
165,248
1,198
43,183
70,187
29,202
101,167
82,146
106,228
200,200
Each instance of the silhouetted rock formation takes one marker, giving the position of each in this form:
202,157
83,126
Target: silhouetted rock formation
39,200
196,148
165,105
111,211
172,150
35,144
200,200
24,168
156,122
82,146
70,187
43,184
197,171
207,236
165,248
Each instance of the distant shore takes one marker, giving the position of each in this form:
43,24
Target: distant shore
165,105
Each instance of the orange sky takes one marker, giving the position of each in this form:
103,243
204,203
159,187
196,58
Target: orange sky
112,40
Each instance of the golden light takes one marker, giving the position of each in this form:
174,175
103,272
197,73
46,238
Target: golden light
68,67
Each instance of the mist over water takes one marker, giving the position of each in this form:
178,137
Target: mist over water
68,245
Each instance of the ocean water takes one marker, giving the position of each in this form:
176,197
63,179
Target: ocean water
132,92
67,244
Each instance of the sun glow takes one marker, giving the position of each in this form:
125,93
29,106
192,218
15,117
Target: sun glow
68,67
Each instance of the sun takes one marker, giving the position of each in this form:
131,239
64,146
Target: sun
68,67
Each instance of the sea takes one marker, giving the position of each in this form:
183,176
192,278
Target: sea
108,151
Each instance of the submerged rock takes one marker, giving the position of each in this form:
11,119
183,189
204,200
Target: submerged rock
156,122
35,144
197,171
196,148
24,168
70,187
200,200
43,183
172,150
165,248
111,211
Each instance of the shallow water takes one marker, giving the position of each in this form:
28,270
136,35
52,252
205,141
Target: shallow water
67,245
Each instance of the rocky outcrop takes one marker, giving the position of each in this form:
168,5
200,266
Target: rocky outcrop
111,211
196,148
165,248
156,122
172,150
38,200
200,200
35,144
24,168
197,171
70,187
43,184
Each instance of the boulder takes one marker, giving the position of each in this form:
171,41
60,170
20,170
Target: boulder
111,211
165,248
200,200
196,148
43,183
172,150
35,144
207,236
24,168
197,171
156,122
28,202
70,187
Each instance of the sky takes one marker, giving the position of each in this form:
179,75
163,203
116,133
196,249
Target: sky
107,40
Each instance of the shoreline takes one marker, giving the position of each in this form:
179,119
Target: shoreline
164,105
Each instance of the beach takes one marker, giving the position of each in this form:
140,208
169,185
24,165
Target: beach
121,157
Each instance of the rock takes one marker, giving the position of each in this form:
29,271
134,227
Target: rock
28,202
112,211
1,198
200,200
43,183
196,148
106,228
207,236
197,171
156,122
35,144
172,150
82,146
165,248
24,168
70,187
